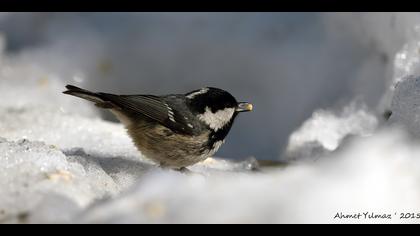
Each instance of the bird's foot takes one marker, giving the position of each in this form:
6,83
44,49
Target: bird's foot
184,170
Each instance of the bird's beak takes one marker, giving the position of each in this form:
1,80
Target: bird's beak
244,106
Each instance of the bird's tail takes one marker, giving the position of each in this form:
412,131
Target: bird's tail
97,98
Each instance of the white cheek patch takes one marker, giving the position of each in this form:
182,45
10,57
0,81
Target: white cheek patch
216,120
201,91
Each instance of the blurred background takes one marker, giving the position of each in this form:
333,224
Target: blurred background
286,64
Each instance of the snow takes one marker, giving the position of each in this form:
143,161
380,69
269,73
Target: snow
62,162
361,178
34,171
405,106
407,59
326,130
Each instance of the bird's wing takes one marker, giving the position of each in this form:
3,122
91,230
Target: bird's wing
153,107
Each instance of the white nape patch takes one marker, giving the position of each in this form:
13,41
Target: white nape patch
170,113
216,120
201,91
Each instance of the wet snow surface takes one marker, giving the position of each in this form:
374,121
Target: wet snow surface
61,162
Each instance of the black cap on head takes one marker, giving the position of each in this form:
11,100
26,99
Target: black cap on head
214,98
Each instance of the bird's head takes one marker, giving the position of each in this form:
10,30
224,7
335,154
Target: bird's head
215,107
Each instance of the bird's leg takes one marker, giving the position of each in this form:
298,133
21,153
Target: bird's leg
184,170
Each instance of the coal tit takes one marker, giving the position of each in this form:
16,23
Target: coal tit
176,130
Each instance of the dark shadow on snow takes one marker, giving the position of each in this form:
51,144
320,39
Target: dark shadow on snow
111,165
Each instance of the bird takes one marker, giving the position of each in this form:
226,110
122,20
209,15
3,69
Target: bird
176,130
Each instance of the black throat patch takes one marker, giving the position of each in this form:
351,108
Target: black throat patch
221,133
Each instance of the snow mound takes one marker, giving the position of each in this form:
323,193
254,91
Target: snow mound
377,174
325,130
40,182
407,60
405,106
31,172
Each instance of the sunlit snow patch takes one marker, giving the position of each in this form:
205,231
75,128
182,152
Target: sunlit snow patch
326,129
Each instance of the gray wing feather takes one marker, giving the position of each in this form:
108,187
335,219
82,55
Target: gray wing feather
151,106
